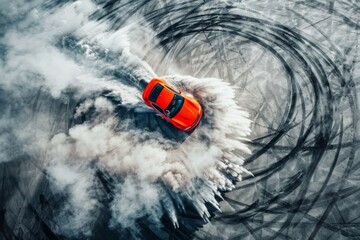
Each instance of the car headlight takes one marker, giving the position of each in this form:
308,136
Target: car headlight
192,125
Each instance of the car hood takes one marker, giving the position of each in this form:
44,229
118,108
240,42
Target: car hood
188,114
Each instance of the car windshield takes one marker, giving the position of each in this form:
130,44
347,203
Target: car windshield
174,106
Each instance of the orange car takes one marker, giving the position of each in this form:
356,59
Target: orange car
183,111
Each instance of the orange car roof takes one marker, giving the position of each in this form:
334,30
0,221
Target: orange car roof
164,98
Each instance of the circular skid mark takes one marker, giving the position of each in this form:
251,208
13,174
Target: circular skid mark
293,67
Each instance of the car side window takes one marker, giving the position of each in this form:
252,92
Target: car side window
158,108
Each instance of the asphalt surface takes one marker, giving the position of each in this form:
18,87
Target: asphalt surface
293,66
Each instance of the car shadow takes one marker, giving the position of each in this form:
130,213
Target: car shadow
138,116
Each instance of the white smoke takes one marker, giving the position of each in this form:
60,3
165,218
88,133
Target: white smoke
31,50
214,153
78,214
208,161
133,200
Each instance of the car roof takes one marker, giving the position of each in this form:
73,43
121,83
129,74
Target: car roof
164,98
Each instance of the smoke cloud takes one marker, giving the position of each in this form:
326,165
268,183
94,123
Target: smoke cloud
153,175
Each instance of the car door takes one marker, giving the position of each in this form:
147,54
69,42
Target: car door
160,111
